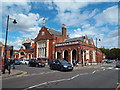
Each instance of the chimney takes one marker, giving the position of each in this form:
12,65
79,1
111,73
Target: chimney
64,30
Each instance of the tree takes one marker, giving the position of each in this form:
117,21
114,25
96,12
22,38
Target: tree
111,53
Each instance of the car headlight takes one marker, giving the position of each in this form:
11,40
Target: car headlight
65,66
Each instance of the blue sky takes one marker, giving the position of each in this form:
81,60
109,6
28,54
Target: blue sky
94,19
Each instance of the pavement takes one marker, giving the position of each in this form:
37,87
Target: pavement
13,73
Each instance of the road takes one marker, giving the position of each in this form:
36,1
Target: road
102,76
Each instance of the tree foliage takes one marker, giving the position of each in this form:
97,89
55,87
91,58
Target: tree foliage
113,53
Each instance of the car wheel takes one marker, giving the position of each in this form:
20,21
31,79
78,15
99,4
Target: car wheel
37,65
25,63
61,69
51,67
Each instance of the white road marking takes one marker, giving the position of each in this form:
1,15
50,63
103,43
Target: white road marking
36,85
117,68
104,69
110,68
75,76
55,81
93,71
84,74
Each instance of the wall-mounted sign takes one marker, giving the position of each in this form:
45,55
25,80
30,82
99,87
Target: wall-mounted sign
66,43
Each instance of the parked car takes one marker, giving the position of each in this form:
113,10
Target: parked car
109,61
23,61
36,63
118,64
61,65
17,62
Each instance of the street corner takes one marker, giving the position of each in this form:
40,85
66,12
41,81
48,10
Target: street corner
16,73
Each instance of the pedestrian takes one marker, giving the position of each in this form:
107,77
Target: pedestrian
74,62
8,65
13,63
3,67
85,62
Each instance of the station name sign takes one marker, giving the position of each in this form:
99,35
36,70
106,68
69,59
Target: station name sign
67,43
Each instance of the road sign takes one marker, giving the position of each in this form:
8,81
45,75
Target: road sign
4,53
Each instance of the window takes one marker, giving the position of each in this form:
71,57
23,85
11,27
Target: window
42,49
22,53
43,33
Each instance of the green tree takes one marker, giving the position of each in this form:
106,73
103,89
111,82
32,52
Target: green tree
113,53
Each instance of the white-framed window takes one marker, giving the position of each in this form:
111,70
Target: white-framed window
42,49
43,33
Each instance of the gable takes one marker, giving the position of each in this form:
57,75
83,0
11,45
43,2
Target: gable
43,34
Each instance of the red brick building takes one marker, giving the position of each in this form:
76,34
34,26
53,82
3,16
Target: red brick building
26,51
2,50
46,40
53,44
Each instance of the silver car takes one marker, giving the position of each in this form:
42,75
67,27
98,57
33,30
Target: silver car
118,64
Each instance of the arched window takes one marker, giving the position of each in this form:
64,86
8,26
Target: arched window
22,53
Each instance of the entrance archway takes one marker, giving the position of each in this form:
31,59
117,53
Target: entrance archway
29,56
66,55
58,55
74,54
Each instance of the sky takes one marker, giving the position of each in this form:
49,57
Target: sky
94,18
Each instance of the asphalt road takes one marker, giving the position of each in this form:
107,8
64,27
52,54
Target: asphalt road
33,70
104,76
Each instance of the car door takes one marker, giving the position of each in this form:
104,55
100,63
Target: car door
57,65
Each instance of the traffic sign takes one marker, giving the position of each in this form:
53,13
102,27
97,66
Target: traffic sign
4,53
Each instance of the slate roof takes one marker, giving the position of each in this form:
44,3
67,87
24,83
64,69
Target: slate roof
54,32
74,39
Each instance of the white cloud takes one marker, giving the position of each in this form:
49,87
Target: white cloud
108,16
69,13
109,40
2,40
25,23
33,34
17,43
15,6
76,0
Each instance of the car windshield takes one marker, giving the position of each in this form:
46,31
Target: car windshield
63,61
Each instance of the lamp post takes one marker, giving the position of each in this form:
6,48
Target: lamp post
96,50
5,49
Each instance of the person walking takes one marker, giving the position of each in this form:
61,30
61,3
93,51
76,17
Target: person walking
8,66
13,63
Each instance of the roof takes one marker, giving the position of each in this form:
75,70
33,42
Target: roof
54,32
74,39
90,41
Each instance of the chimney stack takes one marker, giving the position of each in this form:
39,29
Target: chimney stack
64,30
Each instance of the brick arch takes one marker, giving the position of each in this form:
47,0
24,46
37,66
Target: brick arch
74,54
58,54
65,54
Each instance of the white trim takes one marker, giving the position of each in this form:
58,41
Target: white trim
71,57
83,58
94,54
63,54
56,54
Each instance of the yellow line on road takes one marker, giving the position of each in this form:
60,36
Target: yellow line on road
23,73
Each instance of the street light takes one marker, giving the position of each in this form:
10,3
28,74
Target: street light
96,50
5,51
